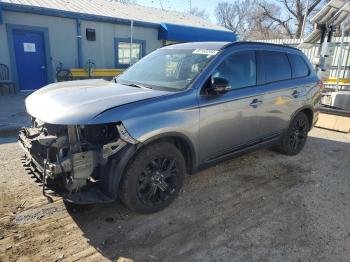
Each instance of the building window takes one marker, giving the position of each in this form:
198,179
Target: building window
90,34
123,52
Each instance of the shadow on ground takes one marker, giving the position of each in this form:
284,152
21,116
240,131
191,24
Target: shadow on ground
8,140
251,208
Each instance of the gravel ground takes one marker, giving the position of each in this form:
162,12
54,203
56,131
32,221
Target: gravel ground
260,207
13,114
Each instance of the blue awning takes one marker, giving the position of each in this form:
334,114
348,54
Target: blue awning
182,33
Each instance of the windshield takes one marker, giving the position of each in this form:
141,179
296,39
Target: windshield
167,69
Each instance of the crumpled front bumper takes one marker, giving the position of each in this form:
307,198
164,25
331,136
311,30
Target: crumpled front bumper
37,160
43,168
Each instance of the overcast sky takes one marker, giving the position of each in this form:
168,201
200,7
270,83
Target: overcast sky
184,5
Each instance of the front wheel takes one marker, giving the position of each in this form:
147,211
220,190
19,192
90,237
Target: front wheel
295,137
153,178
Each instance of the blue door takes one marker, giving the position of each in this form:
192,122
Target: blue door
30,59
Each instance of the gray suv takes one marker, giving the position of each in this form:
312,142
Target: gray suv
179,109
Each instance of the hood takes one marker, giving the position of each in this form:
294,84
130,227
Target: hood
77,102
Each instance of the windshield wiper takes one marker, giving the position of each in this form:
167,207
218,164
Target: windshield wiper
137,85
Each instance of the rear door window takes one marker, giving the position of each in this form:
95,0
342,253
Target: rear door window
239,69
274,66
299,66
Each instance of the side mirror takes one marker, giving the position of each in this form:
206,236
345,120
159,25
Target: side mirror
220,85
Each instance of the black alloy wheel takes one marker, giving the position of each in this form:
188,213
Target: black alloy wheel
295,137
298,133
158,181
153,178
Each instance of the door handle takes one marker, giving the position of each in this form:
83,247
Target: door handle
296,93
43,67
255,103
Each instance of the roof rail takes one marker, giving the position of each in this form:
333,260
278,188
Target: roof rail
257,43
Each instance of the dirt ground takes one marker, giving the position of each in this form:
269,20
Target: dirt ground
260,207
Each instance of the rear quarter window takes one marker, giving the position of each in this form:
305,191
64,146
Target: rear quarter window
274,66
299,66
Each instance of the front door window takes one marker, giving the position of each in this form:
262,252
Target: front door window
238,69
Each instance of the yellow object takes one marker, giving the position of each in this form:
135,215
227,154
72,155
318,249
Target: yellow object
333,81
80,72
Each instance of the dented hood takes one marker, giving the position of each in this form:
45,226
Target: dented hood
77,102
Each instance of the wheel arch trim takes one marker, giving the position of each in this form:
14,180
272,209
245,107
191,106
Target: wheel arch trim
303,108
176,135
117,166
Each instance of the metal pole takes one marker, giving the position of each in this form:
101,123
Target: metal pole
335,16
321,46
89,68
79,43
131,35
340,58
347,57
346,30
304,21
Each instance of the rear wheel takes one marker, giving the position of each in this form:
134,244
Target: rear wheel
295,137
153,178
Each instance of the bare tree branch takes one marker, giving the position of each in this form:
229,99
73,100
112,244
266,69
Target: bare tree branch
296,9
235,15
283,23
199,12
265,18
288,8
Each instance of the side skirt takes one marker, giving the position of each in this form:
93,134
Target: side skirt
267,142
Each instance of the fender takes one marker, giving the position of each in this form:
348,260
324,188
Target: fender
112,172
314,113
182,137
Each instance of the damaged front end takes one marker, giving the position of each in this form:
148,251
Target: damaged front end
72,158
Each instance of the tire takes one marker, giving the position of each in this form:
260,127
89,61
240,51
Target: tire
153,178
295,137
64,75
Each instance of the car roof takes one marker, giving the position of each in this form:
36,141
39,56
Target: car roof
223,45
